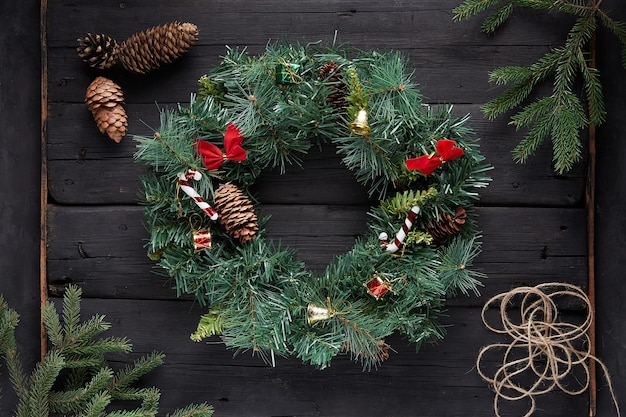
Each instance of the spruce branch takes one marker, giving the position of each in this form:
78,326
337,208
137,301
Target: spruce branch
76,362
563,114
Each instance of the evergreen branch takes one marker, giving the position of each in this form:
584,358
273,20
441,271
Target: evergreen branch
34,402
130,374
565,64
593,90
497,17
524,79
73,401
211,323
471,8
455,269
78,364
9,319
618,29
53,326
567,147
71,312
194,410
83,353
97,405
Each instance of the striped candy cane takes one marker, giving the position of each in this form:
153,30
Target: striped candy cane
183,182
398,240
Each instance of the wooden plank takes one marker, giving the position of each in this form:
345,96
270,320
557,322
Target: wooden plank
20,157
88,168
240,22
102,247
409,383
445,74
610,242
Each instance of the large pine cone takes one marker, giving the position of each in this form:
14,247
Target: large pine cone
99,50
449,225
147,50
331,73
105,99
236,212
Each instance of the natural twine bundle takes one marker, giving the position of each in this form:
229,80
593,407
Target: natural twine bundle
544,351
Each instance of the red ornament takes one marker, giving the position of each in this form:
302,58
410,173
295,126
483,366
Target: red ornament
213,157
201,239
426,164
377,287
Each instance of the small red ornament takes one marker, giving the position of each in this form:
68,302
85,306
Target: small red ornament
213,157
201,240
377,287
426,164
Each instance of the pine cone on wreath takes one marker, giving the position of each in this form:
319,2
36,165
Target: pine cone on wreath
99,50
449,225
331,74
147,50
236,212
105,99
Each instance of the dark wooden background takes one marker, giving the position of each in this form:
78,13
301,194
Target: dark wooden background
533,221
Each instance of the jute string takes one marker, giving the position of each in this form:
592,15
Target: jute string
545,353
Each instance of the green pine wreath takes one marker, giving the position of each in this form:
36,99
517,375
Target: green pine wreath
423,164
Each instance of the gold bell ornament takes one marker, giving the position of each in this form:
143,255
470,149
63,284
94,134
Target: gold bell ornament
360,124
315,313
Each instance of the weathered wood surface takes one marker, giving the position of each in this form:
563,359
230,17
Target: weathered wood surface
532,219
20,157
101,248
439,381
610,228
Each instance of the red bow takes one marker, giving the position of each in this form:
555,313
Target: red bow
213,157
426,164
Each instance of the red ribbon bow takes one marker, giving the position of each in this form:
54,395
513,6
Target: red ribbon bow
426,164
213,157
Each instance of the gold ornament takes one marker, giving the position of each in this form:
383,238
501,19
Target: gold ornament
315,313
360,125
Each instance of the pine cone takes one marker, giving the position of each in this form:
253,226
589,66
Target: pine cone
449,225
105,100
331,74
99,50
147,50
236,212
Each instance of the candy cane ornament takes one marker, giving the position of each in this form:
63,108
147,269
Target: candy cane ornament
398,240
183,182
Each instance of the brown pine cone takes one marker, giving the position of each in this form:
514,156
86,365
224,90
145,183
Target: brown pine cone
99,50
448,225
236,212
331,73
147,50
105,99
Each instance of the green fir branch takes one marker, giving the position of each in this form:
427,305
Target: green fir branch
73,379
566,65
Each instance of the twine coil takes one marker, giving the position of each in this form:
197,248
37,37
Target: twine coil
545,352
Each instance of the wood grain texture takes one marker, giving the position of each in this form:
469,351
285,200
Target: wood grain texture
610,224
438,380
20,171
533,221
101,248
89,168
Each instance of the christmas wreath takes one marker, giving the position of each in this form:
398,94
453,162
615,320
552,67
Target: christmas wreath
256,113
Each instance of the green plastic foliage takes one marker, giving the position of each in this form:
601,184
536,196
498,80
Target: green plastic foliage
258,295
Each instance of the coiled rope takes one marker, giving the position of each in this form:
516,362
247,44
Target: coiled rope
545,353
